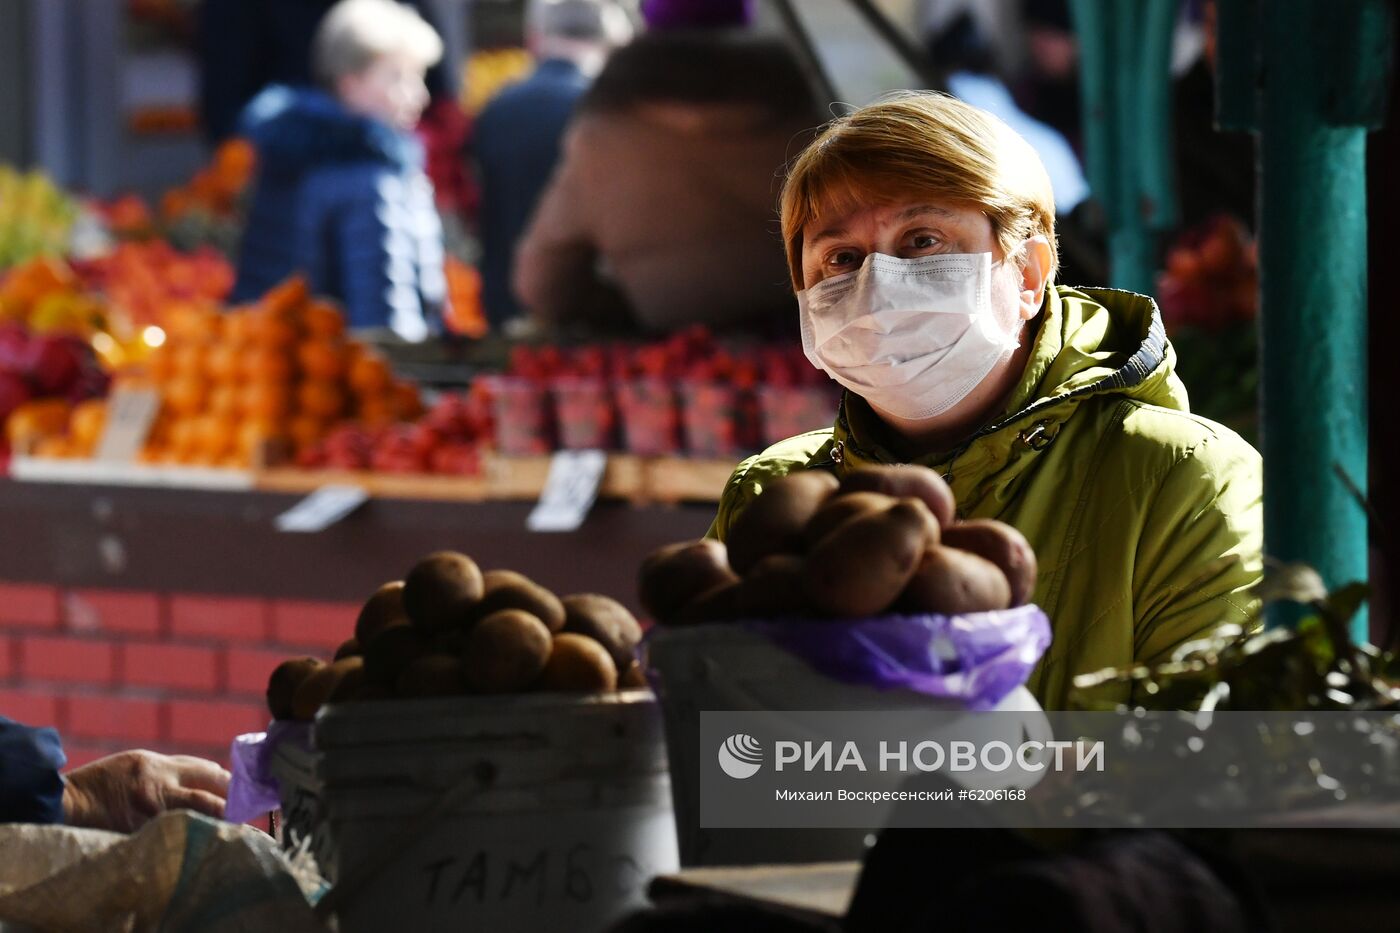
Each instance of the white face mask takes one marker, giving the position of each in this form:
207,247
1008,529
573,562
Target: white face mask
911,336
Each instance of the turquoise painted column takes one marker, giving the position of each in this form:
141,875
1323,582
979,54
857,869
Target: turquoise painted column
1125,87
1308,78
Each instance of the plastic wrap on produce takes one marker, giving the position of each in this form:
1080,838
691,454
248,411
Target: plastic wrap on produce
252,790
977,658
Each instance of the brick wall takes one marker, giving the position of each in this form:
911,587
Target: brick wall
172,672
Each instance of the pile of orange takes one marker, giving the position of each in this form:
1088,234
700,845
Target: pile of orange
51,427
278,373
216,188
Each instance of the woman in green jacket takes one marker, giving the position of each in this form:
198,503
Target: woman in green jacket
920,239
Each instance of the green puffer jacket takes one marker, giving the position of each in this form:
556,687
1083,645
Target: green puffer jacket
1147,520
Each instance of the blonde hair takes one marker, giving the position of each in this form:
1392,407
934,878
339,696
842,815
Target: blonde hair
356,32
914,146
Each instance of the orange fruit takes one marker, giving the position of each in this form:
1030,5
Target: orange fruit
183,439
369,375
254,434
405,401
54,447
186,395
306,430
189,360
267,400
86,422
192,322
224,400
322,319
222,362
321,359
237,329
285,297
160,366
320,398
271,331
376,412
215,435
266,365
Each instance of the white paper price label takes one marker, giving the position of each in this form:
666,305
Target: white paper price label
322,509
130,414
569,491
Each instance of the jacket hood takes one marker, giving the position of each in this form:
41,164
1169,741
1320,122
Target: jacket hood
1092,343
298,128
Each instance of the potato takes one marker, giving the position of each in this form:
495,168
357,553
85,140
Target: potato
313,692
432,675
840,509
505,652
283,683
1001,544
441,590
720,604
950,581
380,611
674,576
349,648
861,568
578,664
390,651
773,523
905,480
506,589
607,622
773,588
634,678
351,684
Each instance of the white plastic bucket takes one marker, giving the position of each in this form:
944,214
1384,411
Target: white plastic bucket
546,812
726,667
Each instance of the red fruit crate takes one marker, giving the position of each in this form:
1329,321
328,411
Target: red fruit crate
717,419
785,411
587,413
650,417
524,416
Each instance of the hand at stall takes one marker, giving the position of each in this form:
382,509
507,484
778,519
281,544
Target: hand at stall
123,791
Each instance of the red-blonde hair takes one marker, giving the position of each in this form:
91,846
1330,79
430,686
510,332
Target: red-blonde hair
920,146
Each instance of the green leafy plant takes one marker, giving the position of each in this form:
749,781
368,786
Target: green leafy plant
1313,666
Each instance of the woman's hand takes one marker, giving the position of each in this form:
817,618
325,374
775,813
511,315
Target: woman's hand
123,791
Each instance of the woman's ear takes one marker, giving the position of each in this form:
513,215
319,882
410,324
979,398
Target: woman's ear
1035,275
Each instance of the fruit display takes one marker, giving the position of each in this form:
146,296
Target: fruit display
46,381
883,539
279,372
140,280
466,316
208,210
689,394
448,439
448,629
36,217
1209,295
1211,276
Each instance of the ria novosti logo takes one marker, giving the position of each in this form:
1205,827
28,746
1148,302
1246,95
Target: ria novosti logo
740,756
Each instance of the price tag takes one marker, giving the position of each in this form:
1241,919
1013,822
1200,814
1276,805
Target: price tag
130,414
569,491
322,509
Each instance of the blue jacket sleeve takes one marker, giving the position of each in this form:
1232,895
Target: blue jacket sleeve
31,788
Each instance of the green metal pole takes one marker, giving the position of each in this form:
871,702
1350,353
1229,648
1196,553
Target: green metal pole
1312,249
1125,88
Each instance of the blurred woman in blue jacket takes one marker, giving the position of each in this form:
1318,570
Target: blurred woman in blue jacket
341,195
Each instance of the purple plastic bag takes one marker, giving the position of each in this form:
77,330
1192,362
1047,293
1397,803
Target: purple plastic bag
977,658
252,790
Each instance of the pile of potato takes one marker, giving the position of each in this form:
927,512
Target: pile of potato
882,539
447,629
